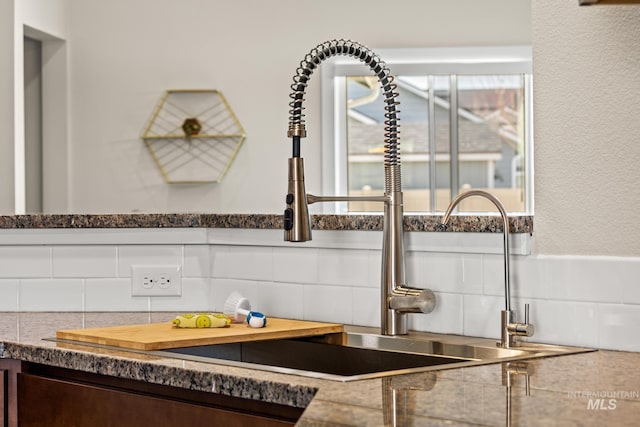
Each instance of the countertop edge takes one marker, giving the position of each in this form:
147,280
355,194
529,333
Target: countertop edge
162,371
373,222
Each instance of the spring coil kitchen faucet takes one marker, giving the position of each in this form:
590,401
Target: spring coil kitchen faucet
397,299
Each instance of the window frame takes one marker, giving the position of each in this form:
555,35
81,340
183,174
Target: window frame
415,62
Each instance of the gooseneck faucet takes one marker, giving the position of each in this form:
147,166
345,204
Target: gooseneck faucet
509,329
397,299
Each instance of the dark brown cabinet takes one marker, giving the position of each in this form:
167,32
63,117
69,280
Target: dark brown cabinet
48,396
607,2
3,397
8,405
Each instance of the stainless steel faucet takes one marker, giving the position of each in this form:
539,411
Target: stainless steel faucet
397,299
509,329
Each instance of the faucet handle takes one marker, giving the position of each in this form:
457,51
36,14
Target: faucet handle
404,299
525,329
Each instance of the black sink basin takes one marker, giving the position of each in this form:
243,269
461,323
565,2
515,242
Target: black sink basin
317,357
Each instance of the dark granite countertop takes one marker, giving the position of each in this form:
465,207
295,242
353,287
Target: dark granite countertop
466,223
596,388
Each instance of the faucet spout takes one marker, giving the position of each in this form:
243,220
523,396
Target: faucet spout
505,233
509,329
397,299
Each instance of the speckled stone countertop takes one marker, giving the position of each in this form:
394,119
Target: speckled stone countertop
466,223
597,388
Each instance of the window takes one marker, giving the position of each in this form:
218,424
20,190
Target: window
466,121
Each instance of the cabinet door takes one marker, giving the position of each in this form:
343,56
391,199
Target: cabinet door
4,395
9,368
53,402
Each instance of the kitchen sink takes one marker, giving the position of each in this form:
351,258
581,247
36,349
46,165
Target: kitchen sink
298,354
363,355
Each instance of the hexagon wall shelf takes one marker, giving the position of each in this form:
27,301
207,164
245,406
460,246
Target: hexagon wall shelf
193,136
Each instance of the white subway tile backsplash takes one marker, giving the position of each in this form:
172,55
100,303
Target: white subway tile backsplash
51,295
242,262
575,300
592,279
8,295
446,318
85,261
468,243
328,303
195,297
221,288
528,278
473,272
631,292
366,306
197,261
345,267
481,315
112,294
25,261
103,236
375,267
618,327
129,255
572,278
295,265
279,300
626,271
564,322
493,274
443,272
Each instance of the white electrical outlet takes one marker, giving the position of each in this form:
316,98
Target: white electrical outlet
155,280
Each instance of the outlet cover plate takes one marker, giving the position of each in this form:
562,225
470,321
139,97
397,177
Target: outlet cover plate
156,281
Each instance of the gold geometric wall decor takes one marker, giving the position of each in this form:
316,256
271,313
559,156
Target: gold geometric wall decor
193,136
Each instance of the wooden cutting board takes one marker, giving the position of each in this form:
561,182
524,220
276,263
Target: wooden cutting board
160,336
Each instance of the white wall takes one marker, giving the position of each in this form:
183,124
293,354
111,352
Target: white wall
125,54
586,102
42,20
7,113
587,132
47,16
